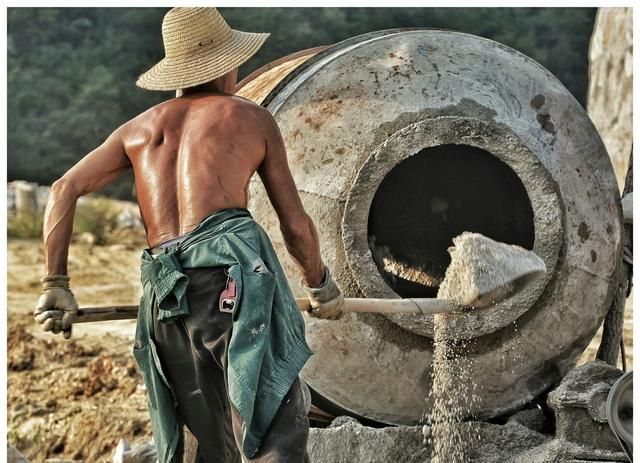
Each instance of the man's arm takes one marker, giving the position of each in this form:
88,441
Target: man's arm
299,232
96,170
56,307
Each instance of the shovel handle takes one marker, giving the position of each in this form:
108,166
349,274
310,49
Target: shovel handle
362,305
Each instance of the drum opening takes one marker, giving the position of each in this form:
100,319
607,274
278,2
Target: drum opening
433,196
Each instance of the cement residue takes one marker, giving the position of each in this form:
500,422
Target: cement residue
402,270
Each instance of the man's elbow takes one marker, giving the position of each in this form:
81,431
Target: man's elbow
64,188
298,230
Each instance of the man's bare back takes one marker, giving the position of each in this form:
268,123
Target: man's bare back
194,155
191,156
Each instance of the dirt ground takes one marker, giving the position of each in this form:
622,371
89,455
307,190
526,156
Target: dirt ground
75,399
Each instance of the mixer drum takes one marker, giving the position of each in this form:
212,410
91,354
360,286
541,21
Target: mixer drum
400,140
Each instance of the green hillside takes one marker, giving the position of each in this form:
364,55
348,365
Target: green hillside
71,71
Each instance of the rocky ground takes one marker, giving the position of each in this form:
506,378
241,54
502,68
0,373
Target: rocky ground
73,400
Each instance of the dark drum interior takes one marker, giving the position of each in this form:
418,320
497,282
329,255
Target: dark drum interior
433,196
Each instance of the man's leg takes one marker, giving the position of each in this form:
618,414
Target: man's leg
207,332
189,350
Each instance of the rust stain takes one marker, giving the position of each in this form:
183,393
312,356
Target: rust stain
537,101
542,115
396,72
330,109
584,232
376,80
314,124
544,119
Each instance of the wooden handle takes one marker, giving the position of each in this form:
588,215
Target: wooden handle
103,314
362,305
421,306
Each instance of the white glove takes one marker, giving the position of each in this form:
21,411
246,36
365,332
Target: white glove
326,300
57,308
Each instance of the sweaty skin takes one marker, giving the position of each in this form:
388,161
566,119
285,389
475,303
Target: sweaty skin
191,155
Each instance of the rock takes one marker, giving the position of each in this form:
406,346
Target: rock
42,196
352,442
143,453
561,451
627,208
346,440
609,100
32,425
87,238
36,196
344,421
25,197
122,447
14,456
11,200
129,218
579,402
533,418
491,443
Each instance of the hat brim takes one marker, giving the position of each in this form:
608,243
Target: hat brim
205,65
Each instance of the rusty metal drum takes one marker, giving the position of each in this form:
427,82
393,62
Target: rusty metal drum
398,141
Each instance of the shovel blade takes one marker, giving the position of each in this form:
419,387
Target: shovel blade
500,293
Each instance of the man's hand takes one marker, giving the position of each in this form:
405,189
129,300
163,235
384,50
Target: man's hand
57,308
326,300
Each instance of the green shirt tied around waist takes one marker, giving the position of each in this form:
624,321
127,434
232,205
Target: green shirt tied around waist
267,349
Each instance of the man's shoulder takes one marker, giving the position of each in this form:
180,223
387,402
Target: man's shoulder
238,108
243,104
154,111
251,113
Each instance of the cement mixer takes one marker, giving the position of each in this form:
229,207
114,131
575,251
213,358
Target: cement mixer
400,140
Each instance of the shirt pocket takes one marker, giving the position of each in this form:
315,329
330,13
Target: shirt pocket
254,293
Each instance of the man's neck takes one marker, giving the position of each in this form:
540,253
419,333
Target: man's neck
205,88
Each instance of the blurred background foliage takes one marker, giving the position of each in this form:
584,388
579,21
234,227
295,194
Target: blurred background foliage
71,71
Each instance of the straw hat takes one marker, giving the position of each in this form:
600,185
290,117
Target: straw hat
199,46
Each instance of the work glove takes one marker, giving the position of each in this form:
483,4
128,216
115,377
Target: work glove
326,300
57,308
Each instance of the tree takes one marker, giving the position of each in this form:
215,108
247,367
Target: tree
71,71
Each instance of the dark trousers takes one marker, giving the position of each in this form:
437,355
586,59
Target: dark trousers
193,354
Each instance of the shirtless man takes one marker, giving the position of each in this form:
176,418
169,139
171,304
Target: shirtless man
193,157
